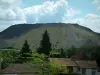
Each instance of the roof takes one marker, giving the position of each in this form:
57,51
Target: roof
63,61
20,68
87,64
79,56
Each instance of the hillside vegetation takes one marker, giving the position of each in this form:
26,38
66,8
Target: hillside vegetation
61,35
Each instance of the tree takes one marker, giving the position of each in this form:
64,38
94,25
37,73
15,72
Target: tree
38,58
51,68
62,53
6,58
45,45
71,51
25,53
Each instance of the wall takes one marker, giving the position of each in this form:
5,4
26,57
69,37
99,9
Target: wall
75,69
98,73
89,72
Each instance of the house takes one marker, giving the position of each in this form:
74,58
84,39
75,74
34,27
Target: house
83,67
87,67
71,65
20,69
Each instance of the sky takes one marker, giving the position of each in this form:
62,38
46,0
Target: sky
84,12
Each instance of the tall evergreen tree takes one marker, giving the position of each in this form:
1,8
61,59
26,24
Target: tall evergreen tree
25,53
45,45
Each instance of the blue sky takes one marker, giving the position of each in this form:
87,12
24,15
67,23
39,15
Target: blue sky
85,6
83,12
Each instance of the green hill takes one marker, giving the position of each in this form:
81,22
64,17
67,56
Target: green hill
61,35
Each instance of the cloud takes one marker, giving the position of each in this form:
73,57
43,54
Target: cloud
97,3
10,13
72,12
69,16
6,24
9,3
49,11
74,20
92,21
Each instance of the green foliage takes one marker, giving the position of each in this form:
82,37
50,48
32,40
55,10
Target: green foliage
60,53
53,68
45,67
6,58
25,53
71,51
38,58
39,61
56,68
93,52
54,53
63,53
45,45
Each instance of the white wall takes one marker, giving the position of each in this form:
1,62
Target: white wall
97,73
89,72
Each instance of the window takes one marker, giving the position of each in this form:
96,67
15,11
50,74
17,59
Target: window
83,71
93,71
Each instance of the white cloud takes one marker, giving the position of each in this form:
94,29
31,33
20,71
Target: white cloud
6,24
10,13
69,16
72,12
92,21
74,20
97,3
5,4
49,11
